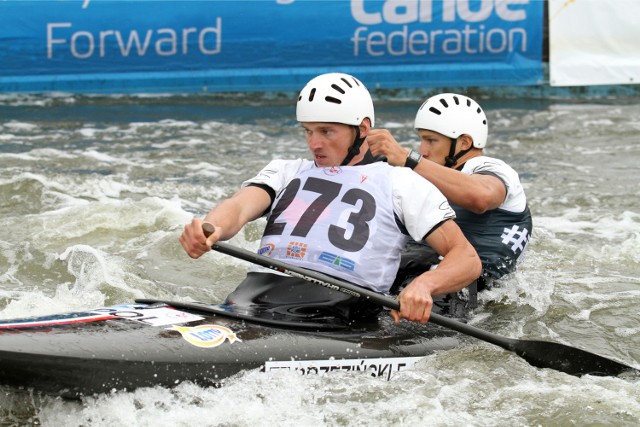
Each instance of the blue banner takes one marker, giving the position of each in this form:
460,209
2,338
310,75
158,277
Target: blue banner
140,46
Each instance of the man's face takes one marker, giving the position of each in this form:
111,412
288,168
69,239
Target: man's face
328,142
434,146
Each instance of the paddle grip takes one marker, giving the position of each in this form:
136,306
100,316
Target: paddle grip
208,229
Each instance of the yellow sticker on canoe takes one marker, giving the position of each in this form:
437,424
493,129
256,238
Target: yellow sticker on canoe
206,336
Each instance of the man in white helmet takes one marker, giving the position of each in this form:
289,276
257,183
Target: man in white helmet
486,193
340,214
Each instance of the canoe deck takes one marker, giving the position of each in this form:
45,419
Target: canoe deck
152,343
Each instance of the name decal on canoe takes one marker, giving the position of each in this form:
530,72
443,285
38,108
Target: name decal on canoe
206,336
378,367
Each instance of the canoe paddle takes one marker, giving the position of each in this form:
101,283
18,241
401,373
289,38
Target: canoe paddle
541,354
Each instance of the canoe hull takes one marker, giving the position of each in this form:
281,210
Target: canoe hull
163,344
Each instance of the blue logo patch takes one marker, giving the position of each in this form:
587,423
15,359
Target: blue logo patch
267,249
337,262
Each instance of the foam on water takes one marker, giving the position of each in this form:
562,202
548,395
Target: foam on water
93,203
443,390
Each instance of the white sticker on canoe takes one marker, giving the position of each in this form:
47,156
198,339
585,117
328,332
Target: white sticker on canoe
379,367
206,336
157,316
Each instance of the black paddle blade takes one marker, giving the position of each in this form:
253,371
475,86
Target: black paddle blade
544,354
571,360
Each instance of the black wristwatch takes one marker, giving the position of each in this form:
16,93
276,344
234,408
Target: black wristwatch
412,159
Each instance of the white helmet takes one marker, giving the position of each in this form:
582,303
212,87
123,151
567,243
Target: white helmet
335,98
453,115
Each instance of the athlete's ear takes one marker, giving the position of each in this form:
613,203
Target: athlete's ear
465,142
365,126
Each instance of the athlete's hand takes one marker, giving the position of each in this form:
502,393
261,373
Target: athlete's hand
194,241
415,302
382,143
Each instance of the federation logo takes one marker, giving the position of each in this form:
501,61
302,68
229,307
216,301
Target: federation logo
296,250
206,336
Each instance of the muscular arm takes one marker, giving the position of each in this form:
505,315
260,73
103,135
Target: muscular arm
460,266
228,218
477,193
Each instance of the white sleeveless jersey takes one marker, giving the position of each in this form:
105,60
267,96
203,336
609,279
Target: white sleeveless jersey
349,222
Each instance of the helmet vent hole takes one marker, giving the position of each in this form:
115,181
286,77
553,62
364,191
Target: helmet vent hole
444,102
346,81
478,111
338,88
332,99
468,103
457,101
435,110
484,122
312,94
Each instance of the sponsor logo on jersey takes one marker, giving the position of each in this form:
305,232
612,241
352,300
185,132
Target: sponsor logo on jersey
336,261
450,213
332,171
296,250
516,238
206,336
266,173
266,249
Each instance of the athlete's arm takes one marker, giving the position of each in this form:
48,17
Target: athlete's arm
477,192
228,218
459,267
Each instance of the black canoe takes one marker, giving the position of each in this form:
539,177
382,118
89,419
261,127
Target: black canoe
151,343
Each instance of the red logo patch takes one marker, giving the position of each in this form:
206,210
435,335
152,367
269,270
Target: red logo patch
333,170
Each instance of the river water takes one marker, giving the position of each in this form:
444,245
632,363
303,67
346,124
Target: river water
94,192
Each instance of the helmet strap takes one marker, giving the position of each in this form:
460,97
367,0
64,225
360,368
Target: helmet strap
355,147
452,159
